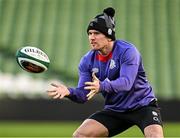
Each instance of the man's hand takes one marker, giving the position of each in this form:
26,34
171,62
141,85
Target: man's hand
58,91
92,86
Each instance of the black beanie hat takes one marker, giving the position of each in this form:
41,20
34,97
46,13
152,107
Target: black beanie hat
104,23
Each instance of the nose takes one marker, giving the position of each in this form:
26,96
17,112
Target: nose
91,36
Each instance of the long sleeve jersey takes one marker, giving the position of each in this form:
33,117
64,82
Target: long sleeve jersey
123,82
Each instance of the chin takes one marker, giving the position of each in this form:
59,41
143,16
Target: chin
94,48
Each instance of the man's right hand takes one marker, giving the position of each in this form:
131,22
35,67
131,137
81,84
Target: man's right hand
58,91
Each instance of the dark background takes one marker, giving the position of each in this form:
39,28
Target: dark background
39,109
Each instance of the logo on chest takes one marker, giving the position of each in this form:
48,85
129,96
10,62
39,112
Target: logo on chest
112,64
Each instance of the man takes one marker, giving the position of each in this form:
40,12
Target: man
113,68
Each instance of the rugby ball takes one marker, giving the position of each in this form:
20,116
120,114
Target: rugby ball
32,59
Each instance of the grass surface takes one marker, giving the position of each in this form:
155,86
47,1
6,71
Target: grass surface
65,129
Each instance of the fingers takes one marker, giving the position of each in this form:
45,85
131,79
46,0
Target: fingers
61,96
92,90
91,94
94,77
53,84
92,86
58,91
50,93
53,94
56,95
89,87
89,83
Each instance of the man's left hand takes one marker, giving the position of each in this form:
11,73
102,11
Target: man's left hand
92,86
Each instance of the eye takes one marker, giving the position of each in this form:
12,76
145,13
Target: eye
89,33
96,33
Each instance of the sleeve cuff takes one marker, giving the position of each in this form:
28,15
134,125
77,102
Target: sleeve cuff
104,85
71,92
101,88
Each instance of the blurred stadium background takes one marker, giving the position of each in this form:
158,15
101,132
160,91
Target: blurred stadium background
59,28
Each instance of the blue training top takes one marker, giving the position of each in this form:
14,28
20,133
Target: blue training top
123,81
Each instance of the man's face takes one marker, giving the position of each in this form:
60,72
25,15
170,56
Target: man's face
97,40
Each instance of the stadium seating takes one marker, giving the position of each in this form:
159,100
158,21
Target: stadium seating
59,28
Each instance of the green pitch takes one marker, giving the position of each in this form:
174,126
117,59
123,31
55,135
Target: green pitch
65,129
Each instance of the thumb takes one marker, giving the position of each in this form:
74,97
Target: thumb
94,76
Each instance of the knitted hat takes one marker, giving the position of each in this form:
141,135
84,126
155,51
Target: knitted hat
104,23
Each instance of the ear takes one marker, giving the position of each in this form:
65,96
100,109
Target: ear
109,39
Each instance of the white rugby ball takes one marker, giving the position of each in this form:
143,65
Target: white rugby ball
32,59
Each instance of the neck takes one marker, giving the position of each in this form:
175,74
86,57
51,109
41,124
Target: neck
107,49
